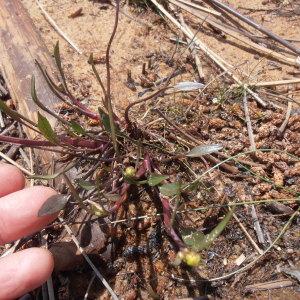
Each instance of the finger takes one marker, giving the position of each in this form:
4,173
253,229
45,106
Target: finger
24,271
19,210
11,179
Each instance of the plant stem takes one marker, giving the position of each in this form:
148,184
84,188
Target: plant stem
108,91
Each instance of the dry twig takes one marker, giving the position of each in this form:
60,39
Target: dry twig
248,122
216,58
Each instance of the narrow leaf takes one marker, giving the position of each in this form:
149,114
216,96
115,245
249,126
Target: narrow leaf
77,128
111,197
46,129
59,66
170,189
105,120
13,114
186,86
87,185
53,205
155,179
203,150
193,238
198,241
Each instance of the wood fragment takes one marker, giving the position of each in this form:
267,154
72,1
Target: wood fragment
270,285
96,271
76,13
17,64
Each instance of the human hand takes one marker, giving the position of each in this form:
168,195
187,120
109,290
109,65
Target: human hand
28,269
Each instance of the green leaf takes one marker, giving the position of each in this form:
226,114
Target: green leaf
155,179
44,177
105,120
53,205
87,185
77,128
203,150
111,197
59,66
193,238
198,241
46,129
13,114
170,189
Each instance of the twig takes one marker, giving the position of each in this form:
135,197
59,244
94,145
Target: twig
236,33
55,26
193,52
202,8
275,83
252,242
15,164
216,58
287,117
256,26
248,122
86,295
2,125
257,226
81,250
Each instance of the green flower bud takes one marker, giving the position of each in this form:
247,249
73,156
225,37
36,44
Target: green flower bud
129,172
192,258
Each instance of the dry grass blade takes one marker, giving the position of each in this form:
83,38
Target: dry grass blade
16,164
216,58
256,26
202,8
248,122
235,33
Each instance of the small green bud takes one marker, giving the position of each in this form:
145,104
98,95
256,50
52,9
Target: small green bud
129,172
192,258
97,210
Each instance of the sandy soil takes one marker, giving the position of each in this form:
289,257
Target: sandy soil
143,35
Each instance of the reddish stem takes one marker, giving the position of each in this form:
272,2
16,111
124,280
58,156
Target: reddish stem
74,142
